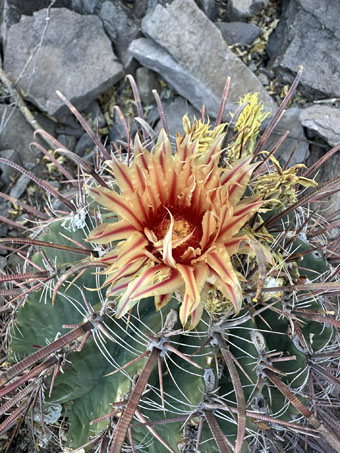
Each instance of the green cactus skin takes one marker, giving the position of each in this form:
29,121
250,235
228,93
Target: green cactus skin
87,393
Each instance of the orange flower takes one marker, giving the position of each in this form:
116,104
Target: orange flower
179,219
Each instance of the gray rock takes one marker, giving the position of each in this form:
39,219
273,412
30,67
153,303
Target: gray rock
117,131
238,32
84,144
121,29
290,122
86,6
17,134
244,9
12,10
94,116
3,263
174,112
209,7
180,49
140,8
308,34
3,226
263,79
6,172
323,120
327,171
146,82
20,186
68,60
69,141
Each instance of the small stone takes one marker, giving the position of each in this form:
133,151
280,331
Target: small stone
241,10
146,82
209,7
84,144
324,121
3,226
252,66
7,173
263,79
17,134
238,32
290,122
86,6
120,27
117,132
174,112
92,71
20,186
69,126
68,141
54,183
14,261
94,116
3,263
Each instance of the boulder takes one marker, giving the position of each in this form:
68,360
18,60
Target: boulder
189,52
244,9
68,59
308,34
324,121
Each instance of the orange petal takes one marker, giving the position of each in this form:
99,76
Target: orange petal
240,217
129,268
119,287
185,309
128,300
209,224
212,150
235,171
194,279
219,261
115,203
123,174
187,273
232,245
196,316
231,292
131,248
108,232
167,286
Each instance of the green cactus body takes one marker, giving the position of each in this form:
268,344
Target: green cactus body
180,297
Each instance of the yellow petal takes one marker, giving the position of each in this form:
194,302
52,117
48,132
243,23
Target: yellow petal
115,203
128,300
209,224
108,232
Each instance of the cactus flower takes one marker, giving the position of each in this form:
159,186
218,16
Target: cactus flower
179,220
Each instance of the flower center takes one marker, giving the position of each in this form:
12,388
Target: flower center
183,227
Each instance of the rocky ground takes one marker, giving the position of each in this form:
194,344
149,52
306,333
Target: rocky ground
184,49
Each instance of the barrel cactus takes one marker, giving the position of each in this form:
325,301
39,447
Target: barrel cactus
183,299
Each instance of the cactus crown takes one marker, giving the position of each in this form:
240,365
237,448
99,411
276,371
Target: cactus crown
184,297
